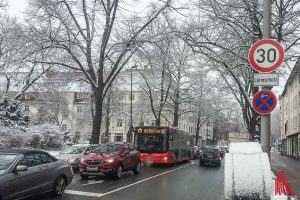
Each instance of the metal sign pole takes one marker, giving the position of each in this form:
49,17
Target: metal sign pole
265,119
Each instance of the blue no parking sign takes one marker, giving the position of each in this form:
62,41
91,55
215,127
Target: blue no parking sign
264,102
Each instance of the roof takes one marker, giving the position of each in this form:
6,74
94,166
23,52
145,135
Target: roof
294,72
21,151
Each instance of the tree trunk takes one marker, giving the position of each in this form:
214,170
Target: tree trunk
176,111
157,121
98,101
107,117
197,131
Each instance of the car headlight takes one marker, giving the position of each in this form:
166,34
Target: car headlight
82,161
110,160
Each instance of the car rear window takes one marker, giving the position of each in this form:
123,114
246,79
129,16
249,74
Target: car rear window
210,150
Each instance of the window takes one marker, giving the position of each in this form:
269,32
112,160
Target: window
79,109
64,127
26,108
79,96
299,120
118,137
141,123
46,159
119,122
153,122
31,160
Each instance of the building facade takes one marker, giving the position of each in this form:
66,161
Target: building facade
67,103
290,115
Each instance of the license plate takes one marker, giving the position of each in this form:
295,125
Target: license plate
92,169
209,157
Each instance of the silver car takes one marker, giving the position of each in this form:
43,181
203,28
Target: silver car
25,173
74,153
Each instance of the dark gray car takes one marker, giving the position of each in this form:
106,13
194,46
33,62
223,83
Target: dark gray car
25,173
210,155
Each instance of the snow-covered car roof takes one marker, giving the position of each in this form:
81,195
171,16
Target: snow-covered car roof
245,148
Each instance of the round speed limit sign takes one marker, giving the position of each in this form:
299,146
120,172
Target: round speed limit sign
266,55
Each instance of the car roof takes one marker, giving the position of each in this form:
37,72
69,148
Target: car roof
211,148
84,145
21,151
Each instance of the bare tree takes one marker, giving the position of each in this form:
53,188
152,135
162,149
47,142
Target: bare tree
226,35
73,34
3,4
13,48
52,107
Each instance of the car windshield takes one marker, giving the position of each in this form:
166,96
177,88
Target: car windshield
107,148
73,150
6,161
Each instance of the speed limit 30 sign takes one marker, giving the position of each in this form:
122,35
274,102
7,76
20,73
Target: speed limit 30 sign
266,55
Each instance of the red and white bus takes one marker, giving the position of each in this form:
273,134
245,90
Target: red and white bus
163,145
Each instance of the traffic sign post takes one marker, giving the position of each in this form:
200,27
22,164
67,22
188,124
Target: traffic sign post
266,55
264,102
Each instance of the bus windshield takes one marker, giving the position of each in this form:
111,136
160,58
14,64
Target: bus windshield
151,143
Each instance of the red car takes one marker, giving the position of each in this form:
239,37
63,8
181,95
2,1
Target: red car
110,158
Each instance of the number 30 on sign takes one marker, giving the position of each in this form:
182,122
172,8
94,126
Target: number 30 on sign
266,55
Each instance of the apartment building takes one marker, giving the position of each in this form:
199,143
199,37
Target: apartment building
290,114
67,103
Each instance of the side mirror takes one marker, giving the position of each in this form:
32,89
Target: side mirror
20,168
87,152
126,152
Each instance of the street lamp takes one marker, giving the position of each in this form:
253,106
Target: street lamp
130,123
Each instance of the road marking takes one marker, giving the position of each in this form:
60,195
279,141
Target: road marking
92,182
81,193
146,179
92,194
284,165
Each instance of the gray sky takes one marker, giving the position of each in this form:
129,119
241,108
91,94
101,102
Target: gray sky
16,7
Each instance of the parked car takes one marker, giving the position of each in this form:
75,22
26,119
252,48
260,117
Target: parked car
74,153
210,155
110,158
25,173
196,152
224,150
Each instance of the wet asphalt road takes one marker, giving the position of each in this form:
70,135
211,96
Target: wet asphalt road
186,181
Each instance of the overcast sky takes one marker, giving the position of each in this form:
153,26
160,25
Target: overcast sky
16,7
